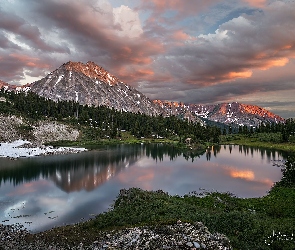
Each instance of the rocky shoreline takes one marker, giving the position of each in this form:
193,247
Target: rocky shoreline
20,148
22,138
176,236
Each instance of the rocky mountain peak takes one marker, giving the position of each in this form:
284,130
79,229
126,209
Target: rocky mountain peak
3,84
92,85
239,109
227,113
92,70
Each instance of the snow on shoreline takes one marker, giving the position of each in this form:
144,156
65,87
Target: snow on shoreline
18,149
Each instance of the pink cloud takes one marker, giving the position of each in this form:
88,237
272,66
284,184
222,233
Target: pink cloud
256,3
30,62
182,7
238,47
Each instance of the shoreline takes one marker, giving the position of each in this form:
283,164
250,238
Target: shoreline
24,149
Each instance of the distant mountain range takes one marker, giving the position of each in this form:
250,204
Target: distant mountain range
226,113
90,84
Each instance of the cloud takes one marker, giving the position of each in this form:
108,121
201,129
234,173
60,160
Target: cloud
113,36
178,50
129,22
259,41
78,31
241,174
181,7
26,33
14,66
257,3
5,43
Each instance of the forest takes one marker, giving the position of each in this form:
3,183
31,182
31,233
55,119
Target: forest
102,122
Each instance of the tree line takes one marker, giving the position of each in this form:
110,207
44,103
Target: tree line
101,121
285,130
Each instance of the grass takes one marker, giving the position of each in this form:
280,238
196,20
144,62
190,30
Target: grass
263,140
127,138
249,223
254,223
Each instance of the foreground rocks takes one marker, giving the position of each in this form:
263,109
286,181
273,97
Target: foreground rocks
176,236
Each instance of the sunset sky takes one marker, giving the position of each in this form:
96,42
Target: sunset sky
193,51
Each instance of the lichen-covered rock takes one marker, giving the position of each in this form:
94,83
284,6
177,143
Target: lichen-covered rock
176,236
14,128
9,128
46,131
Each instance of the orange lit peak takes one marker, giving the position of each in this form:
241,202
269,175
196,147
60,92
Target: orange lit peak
92,70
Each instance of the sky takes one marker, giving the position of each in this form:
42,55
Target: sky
192,51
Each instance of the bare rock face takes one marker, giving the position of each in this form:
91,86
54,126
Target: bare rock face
92,85
228,113
9,128
47,131
14,128
3,84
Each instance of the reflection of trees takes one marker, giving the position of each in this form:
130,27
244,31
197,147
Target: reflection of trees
191,155
262,152
246,150
230,148
216,150
75,171
271,154
158,151
240,148
208,154
252,151
85,170
91,169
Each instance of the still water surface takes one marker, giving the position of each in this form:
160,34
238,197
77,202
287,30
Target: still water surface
44,192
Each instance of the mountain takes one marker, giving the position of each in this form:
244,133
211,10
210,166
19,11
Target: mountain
92,85
16,88
3,84
226,113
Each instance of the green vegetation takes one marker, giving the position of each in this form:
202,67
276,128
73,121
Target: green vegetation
279,136
99,124
262,140
255,223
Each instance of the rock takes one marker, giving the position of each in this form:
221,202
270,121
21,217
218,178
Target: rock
189,244
197,245
146,237
92,85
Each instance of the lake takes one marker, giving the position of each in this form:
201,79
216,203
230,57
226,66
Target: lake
44,192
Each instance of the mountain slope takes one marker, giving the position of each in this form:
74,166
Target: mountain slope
3,84
92,85
227,113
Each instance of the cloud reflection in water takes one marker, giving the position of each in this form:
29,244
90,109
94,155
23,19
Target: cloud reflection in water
64,189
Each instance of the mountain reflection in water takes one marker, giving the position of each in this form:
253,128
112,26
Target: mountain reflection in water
86,170
91,169
77,185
